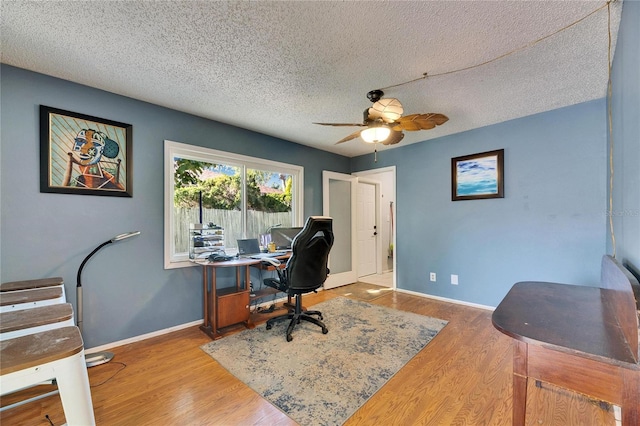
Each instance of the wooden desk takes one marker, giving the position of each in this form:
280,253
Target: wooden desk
573,337
227,306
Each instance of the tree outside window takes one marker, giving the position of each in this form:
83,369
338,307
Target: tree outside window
246,198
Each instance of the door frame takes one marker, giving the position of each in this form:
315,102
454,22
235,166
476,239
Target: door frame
370,174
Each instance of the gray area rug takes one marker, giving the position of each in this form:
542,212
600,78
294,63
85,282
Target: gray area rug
322,379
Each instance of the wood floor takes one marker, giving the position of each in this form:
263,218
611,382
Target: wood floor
463,377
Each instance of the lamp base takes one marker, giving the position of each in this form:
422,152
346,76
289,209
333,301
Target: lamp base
97,358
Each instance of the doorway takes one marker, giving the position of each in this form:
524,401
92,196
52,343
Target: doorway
385,178
340,201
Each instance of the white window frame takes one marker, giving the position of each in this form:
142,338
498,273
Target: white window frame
176,149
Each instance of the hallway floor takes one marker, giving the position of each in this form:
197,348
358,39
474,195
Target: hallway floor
384,280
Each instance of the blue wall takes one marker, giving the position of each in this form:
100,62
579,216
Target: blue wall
551,225
626,139
126,290
548,227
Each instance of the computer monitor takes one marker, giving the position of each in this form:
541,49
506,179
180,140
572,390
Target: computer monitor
283,237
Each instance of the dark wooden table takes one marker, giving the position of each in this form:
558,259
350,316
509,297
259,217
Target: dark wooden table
570,336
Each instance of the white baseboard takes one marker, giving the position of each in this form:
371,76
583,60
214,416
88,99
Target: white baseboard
444,299
142,337
163,331
200,321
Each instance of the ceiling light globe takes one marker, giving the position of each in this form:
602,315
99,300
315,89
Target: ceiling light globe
375,134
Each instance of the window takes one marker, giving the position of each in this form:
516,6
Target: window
244,195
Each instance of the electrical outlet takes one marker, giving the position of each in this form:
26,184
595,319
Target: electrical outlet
454,279
432,276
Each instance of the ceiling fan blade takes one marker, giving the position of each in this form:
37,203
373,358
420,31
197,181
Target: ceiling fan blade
387,109
348,138
415,122
341,124
393,138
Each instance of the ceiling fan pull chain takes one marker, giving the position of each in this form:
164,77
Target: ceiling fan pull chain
375,152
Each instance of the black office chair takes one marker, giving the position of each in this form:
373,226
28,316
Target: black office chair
305,272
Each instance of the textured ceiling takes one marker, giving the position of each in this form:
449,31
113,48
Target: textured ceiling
277,67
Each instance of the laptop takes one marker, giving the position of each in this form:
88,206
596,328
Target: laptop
250,248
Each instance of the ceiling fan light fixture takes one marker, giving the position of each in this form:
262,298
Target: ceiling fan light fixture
375,133
389,109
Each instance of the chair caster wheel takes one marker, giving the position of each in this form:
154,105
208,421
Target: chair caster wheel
325,330
289,337
269,326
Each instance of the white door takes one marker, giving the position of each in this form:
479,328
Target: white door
367,230
338,202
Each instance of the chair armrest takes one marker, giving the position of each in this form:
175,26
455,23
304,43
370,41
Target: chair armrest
275,283
271,261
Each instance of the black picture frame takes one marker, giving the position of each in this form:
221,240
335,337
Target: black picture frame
478,176
71,164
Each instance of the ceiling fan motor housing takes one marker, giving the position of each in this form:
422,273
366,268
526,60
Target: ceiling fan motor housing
375,95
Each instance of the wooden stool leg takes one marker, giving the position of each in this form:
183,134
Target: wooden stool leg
75,393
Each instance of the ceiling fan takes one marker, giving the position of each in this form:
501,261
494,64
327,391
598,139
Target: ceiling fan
384,122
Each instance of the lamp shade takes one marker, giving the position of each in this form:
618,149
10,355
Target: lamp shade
375,134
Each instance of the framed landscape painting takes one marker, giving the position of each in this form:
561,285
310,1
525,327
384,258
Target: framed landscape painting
478,176
80,154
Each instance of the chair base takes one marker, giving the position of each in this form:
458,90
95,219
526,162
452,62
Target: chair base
296,316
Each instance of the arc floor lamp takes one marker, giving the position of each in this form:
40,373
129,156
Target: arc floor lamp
99,357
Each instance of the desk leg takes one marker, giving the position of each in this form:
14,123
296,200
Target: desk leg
210,326
205,297
238,278
247,286
213,307
247,277
520,379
